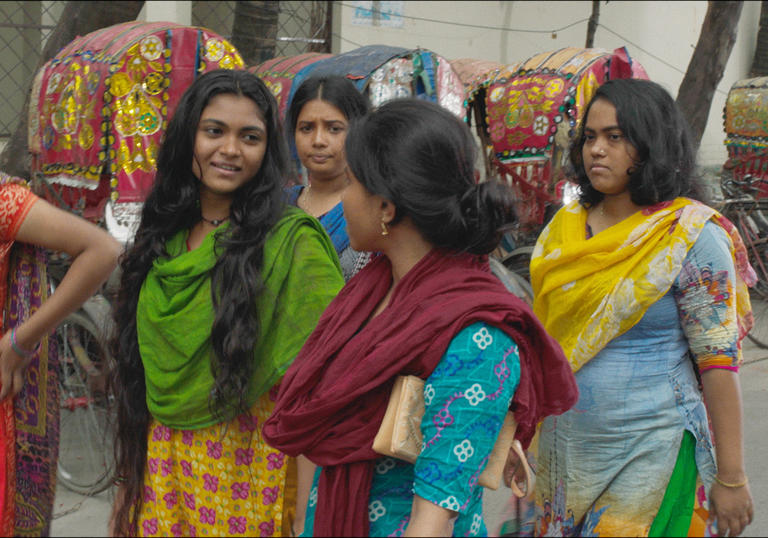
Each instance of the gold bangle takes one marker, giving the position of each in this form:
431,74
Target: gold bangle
728,485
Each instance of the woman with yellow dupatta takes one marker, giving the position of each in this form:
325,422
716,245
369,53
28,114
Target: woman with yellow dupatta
646,290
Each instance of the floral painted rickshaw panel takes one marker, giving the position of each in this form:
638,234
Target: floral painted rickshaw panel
279,74
533,110
418,73
100,107
475,75
746,127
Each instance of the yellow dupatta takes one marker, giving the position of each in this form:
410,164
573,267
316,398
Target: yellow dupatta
589,291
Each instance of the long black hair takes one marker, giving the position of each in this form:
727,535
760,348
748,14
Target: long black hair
421,157
652,122
173,205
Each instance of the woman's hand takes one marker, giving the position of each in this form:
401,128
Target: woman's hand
12,368
732,507
513,470
94,254
517,471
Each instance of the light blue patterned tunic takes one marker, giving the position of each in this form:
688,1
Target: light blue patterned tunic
466,399
604,465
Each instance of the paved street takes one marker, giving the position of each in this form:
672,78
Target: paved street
77,515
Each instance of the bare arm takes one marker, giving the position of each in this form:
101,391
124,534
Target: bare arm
429,519
94,255
732,506
306,473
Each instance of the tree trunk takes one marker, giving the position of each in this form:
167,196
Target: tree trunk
705,70
254,32
592,24
760,60
77,18
320,26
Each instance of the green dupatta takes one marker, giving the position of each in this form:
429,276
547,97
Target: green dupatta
301,274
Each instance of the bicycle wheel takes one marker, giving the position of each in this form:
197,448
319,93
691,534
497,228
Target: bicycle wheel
85,447
757,247
512,281
759,332
519,261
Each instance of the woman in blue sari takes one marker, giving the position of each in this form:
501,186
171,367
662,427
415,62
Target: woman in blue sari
318,119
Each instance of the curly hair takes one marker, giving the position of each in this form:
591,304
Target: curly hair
654,125
172,205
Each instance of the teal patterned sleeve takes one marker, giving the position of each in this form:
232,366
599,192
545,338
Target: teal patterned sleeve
466,399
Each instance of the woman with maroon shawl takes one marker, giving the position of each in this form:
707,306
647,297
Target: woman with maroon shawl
426,305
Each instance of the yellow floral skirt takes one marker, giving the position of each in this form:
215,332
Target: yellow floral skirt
223,480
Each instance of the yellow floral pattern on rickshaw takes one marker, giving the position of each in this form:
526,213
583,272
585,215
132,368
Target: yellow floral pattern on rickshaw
746,112
100,106
214,49
746,127
70,113
151,47
139,106
529,100
221,52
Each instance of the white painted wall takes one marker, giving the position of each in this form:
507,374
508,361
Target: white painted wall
660,35
179,12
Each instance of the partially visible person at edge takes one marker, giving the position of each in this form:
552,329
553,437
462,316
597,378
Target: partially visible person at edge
318,120
426,305
644,287
219,291
29,430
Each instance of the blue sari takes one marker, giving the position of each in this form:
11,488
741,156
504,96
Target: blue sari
335,225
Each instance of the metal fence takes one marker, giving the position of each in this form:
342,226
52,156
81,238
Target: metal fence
24,29
296,26
272,28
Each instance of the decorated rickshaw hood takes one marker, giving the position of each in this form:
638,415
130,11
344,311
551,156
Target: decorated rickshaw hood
99,108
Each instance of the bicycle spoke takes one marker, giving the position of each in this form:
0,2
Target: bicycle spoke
85,458
759,332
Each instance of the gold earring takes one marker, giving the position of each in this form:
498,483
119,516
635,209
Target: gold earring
384,230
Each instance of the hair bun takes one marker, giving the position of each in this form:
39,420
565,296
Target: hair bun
421,157
470,209
486,211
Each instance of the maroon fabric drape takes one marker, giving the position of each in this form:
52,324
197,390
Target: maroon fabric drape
333,397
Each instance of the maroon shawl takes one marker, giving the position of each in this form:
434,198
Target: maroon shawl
333,397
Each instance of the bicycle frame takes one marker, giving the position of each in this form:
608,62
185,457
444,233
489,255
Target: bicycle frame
753,228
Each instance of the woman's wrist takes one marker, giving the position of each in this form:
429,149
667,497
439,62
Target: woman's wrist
731,473
733,485
22,349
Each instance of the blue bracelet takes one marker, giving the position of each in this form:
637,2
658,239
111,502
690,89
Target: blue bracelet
15,345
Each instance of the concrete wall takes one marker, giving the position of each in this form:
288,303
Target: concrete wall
179,12
661,36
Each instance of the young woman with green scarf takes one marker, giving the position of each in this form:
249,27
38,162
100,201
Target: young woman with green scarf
219,291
